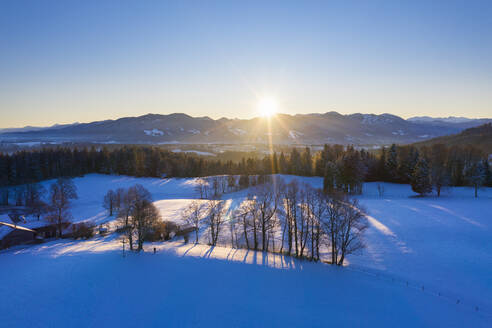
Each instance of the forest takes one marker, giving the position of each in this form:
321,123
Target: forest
345,169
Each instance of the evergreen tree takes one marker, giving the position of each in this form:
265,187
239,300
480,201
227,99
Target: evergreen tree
476,175
331,177
391,166
307,162
421,182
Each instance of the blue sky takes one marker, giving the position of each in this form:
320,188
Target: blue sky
66,61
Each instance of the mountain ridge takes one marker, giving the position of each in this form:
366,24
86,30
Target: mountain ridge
314,128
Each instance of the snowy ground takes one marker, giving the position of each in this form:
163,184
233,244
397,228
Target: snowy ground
90,284
441,244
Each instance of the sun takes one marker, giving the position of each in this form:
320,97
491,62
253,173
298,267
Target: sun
267,107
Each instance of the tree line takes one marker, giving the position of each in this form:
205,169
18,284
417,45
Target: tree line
432,168
343,168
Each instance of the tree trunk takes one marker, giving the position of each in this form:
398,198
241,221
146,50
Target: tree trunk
255,237
283,236
312,240
295,236
245,231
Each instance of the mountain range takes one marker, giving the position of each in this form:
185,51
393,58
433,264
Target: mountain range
330,127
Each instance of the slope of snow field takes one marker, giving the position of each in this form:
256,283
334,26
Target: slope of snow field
89,284
443,244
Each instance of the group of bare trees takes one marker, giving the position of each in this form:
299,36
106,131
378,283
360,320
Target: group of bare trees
209,214
294,219
214,187
136,213
304,219
62,192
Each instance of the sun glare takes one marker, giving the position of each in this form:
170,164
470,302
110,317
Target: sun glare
267,107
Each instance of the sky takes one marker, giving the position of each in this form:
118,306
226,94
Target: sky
81,61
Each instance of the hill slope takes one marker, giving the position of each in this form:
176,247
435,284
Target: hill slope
480,137
89,283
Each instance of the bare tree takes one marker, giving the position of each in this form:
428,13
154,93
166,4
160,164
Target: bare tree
291,199
313,207
215,219
332,225
344,224
318,208
119,196
34,199
145,216
223,184
143,212
352,228
242,213
265,200
380,190
109,202
62,192
202,188
232,226
192,215
124,216
216,185
231,183
304,218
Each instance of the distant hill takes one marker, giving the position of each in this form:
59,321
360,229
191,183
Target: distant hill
462,122
331,127
480,136
36,128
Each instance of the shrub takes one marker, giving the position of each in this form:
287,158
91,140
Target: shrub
163,230
82,230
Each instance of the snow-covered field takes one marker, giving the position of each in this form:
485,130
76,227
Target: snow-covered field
441,244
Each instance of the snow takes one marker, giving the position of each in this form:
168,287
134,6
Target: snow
194,131
28,144
450,119
5,229
441,244
203,153
371,119
173,142
237,131
295,134
399,132
92,188
154,132
89,283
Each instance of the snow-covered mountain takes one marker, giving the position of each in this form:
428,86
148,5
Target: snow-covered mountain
449,120
331,127
36,128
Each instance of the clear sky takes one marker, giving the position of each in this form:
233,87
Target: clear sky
65,61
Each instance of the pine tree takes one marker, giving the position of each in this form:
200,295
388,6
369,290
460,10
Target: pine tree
330,178
392,164
476,175
421,182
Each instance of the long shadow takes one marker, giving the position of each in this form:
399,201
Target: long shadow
245,256
255,257
189,249
234,255
209,252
